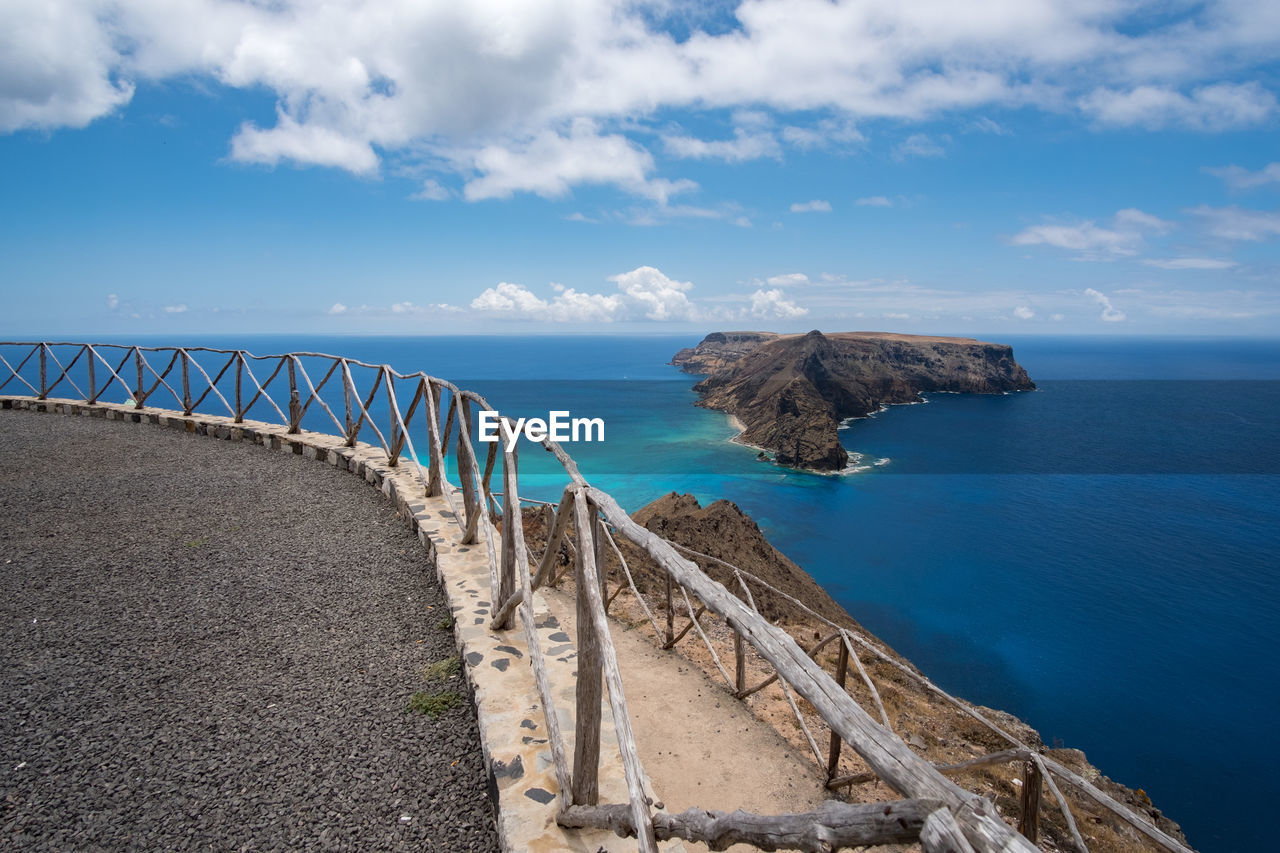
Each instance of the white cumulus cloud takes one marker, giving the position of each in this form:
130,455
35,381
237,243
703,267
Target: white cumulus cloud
1023,312
771,303
542,97
550,163
509,298
308,143
113,301
815,206
657,296
338,308
1110,313
175,309
643,294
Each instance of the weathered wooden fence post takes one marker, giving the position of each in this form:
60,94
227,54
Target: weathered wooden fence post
186,382
510,520
393,413
671,614
93,382
833,754
1029,819
466,474
435,454
586,742
486,479
739,662
44,379
590,602
239,380
349,418
139,393
295,402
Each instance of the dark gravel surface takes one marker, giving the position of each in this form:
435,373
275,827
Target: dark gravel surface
211,646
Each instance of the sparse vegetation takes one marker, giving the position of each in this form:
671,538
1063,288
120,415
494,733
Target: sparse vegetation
444,668
432,704
445,623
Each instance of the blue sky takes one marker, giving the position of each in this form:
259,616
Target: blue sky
175,167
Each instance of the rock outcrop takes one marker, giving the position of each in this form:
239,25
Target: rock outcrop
790,392
719,350
723,531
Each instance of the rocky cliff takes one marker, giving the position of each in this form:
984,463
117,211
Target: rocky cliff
723,531
719,350
790,392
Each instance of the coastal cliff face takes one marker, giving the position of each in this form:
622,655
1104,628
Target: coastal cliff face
790,392
722,530
719,350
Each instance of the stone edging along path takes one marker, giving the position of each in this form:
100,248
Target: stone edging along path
522,781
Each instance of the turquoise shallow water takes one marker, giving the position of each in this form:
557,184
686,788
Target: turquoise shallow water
1097,557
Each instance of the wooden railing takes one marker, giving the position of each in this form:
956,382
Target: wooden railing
936,812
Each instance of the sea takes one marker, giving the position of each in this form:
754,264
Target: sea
1098,557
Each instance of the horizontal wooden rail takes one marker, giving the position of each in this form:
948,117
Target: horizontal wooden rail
832,826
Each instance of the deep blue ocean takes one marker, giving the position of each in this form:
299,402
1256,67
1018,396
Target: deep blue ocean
1097,557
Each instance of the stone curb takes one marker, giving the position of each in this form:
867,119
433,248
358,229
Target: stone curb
522,781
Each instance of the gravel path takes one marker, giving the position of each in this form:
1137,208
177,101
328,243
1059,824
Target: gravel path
210,645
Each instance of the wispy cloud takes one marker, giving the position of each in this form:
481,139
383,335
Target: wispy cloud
874,201
1218,107
432,190
1124,238
744,146
1239,178
1190,263
1236,223
815,206
919,145
982,124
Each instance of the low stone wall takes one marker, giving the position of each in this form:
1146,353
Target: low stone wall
512,731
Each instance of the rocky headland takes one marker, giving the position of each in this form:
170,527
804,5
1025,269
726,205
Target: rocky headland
790,392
